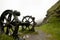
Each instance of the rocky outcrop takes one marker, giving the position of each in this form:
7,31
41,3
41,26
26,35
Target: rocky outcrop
53,11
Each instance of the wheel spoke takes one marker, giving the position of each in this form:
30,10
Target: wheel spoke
25,18
31,21
28,18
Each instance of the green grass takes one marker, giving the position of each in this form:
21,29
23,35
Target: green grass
53,28
22,33
5,37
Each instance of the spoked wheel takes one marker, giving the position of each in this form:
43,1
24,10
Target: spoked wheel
9,20
6,19
28,20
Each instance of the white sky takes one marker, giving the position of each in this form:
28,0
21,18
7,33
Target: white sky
36,8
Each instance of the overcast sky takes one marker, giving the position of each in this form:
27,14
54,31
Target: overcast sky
36,8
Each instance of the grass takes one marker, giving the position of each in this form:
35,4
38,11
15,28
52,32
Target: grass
5,37
22,33
53,28
50,29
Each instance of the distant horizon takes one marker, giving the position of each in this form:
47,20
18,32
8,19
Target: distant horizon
35,8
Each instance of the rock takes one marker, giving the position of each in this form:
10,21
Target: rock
53,11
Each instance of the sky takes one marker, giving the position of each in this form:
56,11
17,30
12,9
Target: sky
35,8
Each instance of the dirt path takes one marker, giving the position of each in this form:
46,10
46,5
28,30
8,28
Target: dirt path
40,36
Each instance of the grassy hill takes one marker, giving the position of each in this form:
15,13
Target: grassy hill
51,24
53,28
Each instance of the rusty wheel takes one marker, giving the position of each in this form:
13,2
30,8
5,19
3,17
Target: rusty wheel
6,18
28,20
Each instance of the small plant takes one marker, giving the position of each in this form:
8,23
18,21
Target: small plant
5,37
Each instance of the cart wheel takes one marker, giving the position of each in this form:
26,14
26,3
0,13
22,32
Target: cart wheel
6,18
29,22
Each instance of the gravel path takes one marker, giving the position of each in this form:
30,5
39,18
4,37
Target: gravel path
40,36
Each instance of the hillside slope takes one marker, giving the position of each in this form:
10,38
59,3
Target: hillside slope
52,11
51,24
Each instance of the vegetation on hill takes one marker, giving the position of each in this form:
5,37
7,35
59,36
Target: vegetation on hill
51,24
53,28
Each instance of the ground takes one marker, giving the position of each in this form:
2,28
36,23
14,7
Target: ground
40,36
